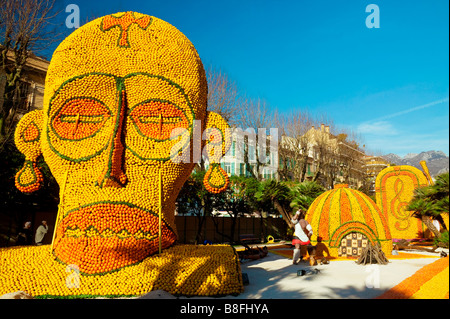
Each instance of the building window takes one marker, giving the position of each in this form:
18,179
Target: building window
23,96
251,153
227,167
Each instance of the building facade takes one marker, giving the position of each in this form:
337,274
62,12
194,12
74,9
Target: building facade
32,85
373,165
251,154
322,156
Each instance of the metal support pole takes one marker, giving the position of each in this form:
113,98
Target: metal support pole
160,209
60,206
160,192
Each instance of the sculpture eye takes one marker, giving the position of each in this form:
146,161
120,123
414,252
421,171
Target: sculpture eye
80,118
156,119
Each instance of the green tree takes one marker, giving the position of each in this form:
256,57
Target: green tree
430,202
305,193
238,199
195,199
279,194
235,201
26,26
250,186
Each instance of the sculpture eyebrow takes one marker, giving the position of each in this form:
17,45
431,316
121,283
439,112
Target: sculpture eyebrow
124,23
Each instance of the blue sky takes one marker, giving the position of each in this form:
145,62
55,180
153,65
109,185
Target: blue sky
390,84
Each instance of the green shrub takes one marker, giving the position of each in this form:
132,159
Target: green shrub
442,241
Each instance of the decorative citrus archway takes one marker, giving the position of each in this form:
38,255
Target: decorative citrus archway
352,227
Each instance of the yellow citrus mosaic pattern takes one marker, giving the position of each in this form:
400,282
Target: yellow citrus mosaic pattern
394,188
27,139
342,211
435,288
218,140
186,270
122,93
429,282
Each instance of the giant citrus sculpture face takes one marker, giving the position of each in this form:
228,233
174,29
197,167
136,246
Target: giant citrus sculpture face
116,91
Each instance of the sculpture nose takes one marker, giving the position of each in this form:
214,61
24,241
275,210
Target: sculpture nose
113,175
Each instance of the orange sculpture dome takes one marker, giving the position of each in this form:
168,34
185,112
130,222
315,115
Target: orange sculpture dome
341,212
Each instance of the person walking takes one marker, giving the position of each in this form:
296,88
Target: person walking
25,235
40,233
302,235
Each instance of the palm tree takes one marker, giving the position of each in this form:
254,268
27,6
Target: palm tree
441,192
430,202
278,193
305,193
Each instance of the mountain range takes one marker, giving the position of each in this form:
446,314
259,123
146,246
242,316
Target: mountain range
437,161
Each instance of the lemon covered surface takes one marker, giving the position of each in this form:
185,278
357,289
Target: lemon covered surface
185,270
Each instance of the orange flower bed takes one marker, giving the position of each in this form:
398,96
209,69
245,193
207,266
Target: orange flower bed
429,282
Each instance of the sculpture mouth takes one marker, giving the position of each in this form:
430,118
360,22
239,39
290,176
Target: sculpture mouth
104,237
106,220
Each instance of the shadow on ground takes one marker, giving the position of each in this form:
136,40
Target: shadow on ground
275,277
